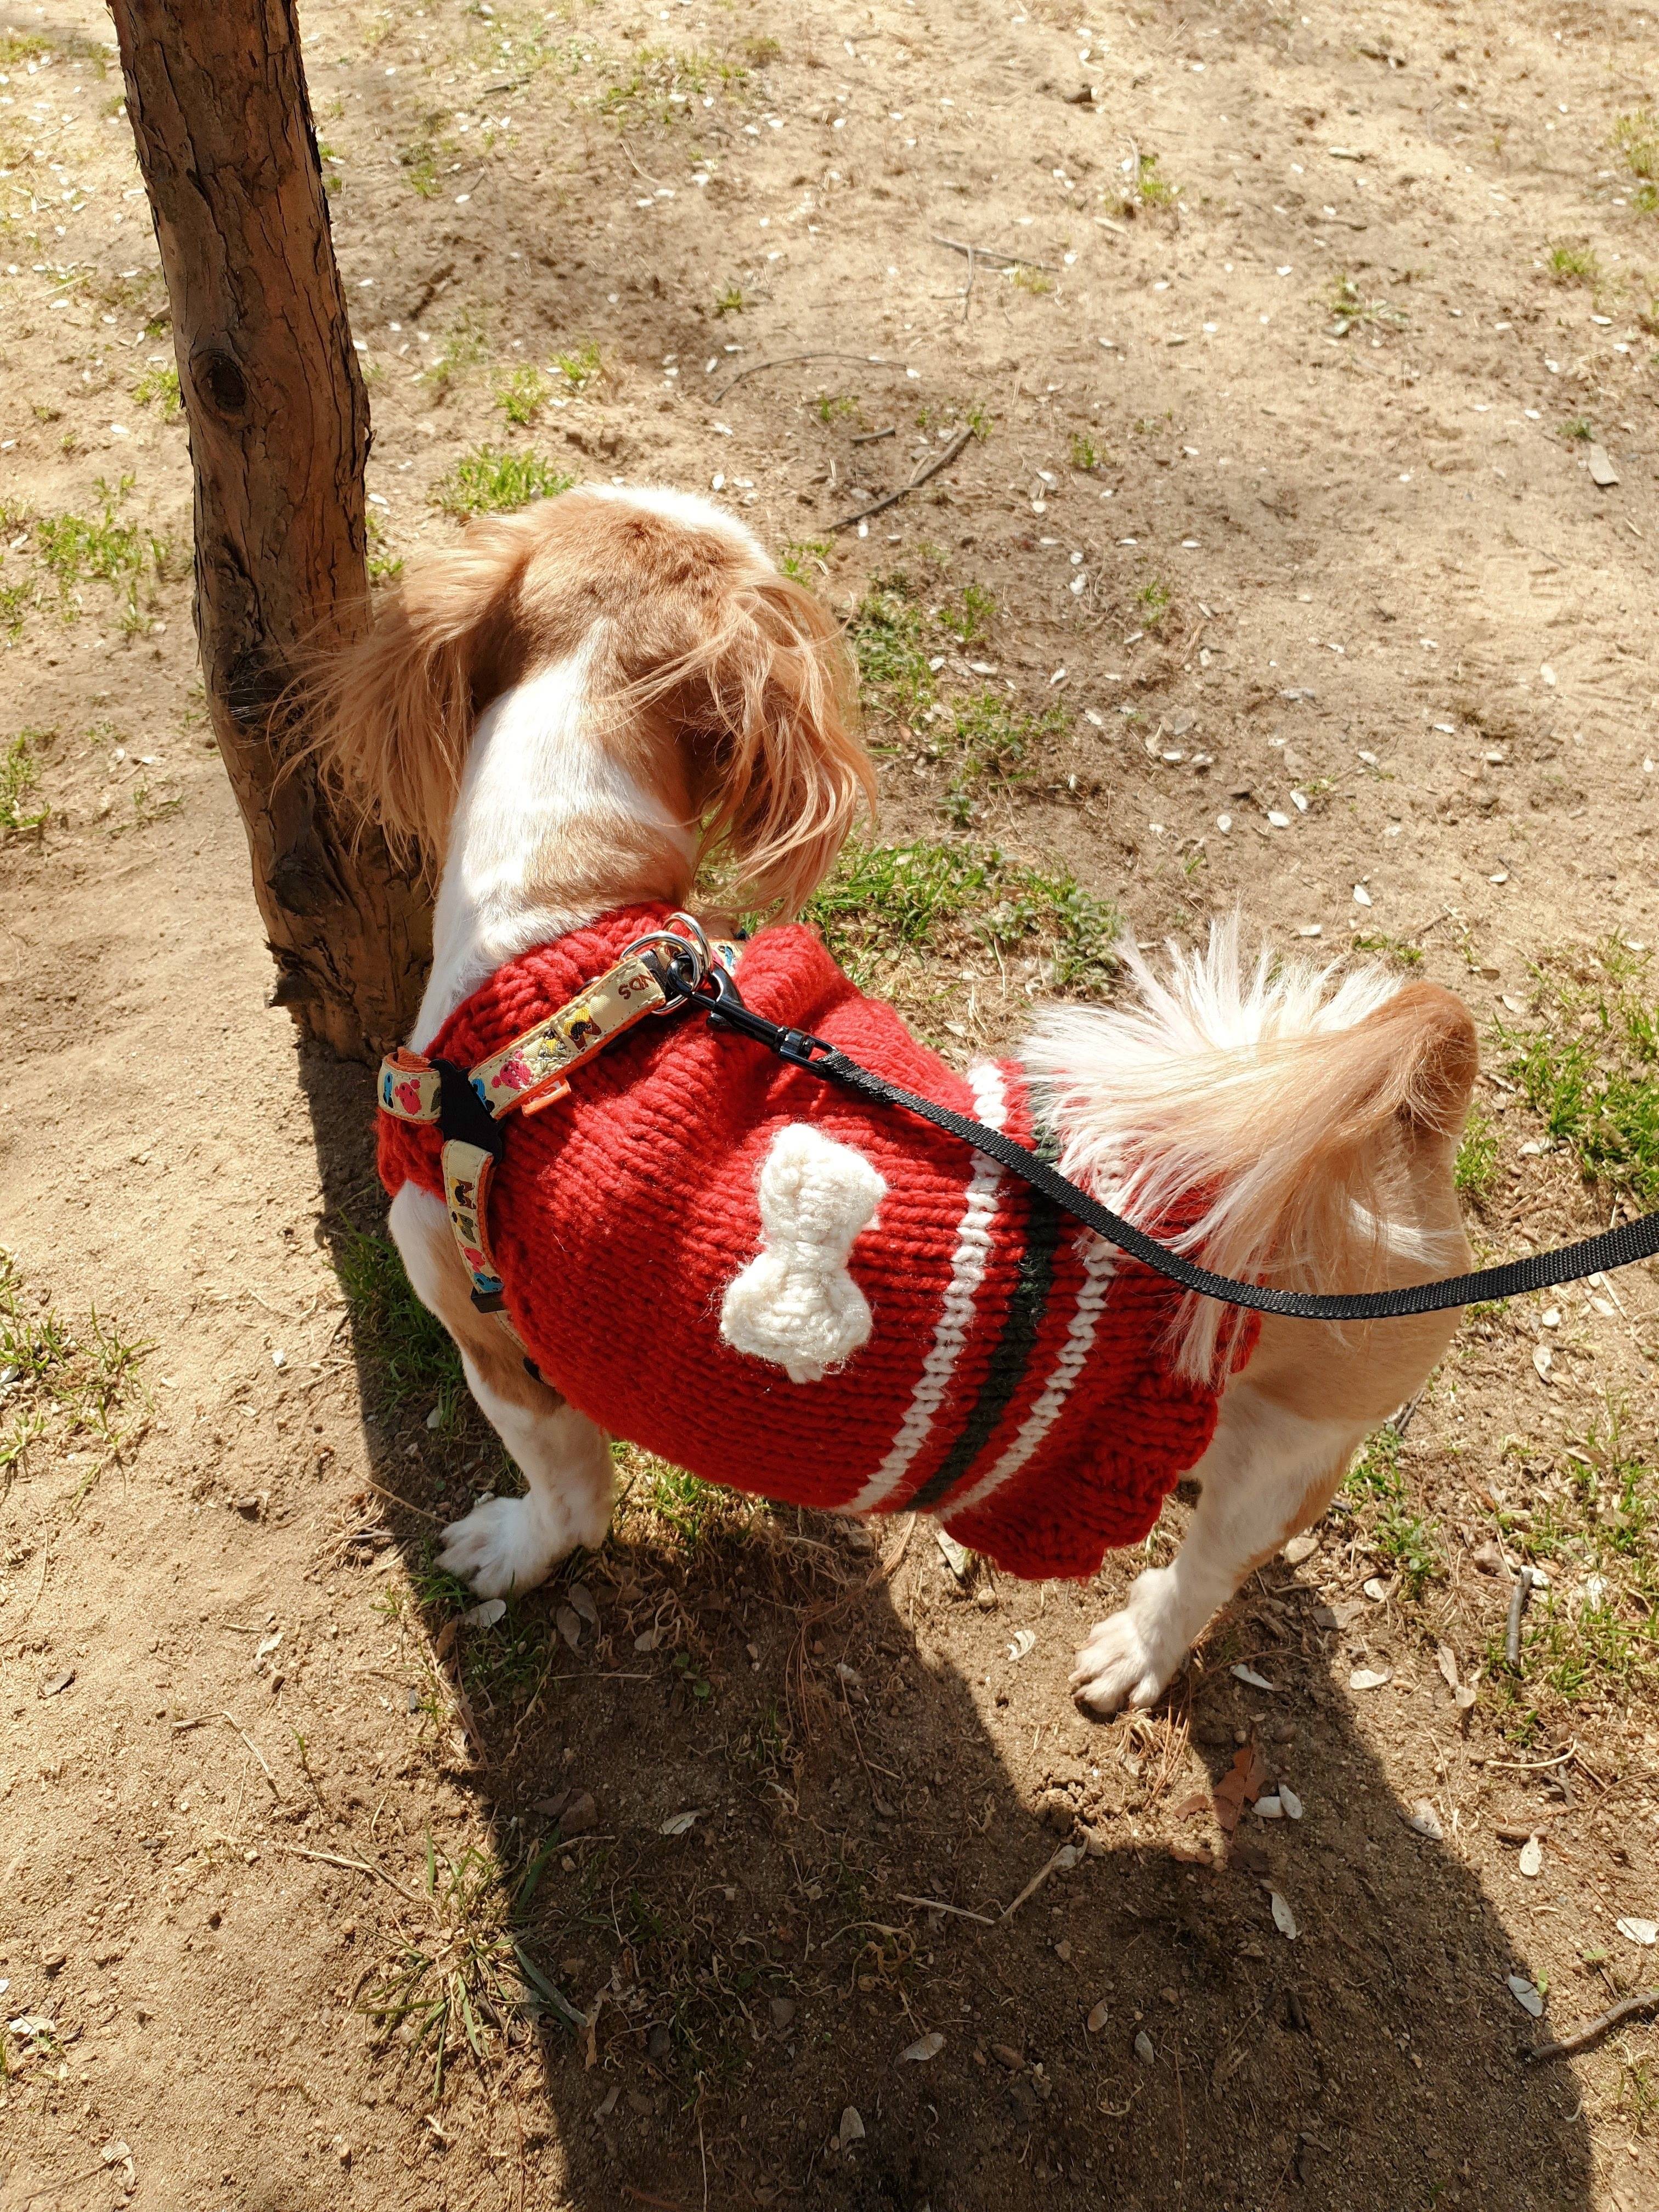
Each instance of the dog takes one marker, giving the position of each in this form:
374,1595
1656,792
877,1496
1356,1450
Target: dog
567,716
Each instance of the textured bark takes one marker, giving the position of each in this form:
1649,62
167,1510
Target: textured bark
278,436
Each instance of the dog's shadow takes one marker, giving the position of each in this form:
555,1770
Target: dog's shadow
759,1835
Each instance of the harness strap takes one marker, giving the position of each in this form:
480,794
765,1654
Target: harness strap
529,1073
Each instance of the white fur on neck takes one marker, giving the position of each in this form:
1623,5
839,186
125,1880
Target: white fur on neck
536,773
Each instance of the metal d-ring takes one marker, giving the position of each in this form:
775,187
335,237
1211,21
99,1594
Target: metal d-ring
677,954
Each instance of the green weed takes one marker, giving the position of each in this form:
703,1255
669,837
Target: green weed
889,638
491,482
159,383
522,396
729,302
1475,1171
384,567
967,613
1086,454
581,365
1589,1071
1580,430
1377,1493
18,778
60,1382
1350,308
1635,140
835,406
1152,602
1391,948
806,559
1149,186
885,902
465,347
17,47
76,550
1574,264
995,738
412,1354
458,1987
663,82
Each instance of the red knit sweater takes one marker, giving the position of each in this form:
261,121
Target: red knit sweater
1012,1382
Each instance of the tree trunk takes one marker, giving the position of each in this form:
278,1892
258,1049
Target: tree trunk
278,436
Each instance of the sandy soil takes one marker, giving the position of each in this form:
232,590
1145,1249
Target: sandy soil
1280,486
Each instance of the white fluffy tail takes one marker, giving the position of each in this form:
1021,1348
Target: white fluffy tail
1293,1099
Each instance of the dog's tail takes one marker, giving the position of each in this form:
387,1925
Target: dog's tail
1296,1100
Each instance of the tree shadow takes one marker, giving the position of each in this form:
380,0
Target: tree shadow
741,2006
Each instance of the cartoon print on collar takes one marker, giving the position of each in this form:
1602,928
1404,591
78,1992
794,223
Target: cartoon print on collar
856,1310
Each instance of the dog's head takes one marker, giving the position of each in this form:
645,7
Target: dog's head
721,685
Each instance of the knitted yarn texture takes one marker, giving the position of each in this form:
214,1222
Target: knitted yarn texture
767,1281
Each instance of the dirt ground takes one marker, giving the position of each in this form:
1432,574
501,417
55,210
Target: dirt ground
1274,568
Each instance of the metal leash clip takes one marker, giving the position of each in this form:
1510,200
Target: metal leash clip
680,957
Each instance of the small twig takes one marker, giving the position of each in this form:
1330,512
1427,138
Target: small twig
957,1912
1067,1857
993,253
419,1512
824,353
1518,1600
877,506
1593,2030
874,437
356,1866
255,1749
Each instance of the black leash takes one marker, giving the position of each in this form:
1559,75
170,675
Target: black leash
718,997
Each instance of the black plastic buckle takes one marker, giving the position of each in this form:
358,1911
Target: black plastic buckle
462,1117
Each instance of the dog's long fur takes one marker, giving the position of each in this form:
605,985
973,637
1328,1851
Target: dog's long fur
579,707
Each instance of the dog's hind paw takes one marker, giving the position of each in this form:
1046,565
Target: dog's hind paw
504,1546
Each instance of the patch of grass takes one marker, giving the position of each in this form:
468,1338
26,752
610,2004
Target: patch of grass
1377,1494
995,736
1391,948
412,1354
886,902
1033,280
1591,1070
1086,454
491,482
466,345
806,559
22,46
1636,141
522,396
1574,265
18,778
663,82
835,406
420,162
1152,602
159,385
1149,186
888,637
77,550
729,302
63,1383
967,613
1475,1170
1350,308
581,365
459,1985
384,567
1579,429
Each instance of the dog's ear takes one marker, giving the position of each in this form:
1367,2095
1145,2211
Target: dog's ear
389,717
783,770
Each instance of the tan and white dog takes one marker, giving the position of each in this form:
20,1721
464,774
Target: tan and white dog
573,710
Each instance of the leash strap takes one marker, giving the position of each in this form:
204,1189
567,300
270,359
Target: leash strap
718,997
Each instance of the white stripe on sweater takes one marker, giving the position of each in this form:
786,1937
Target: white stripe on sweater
1099,1266
968,1265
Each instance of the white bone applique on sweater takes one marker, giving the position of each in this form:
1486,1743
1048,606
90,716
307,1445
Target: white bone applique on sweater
795,1304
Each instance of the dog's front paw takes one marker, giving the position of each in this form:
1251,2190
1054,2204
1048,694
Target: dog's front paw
503,1546
1129,1658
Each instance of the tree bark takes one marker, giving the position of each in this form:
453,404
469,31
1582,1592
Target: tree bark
279,434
